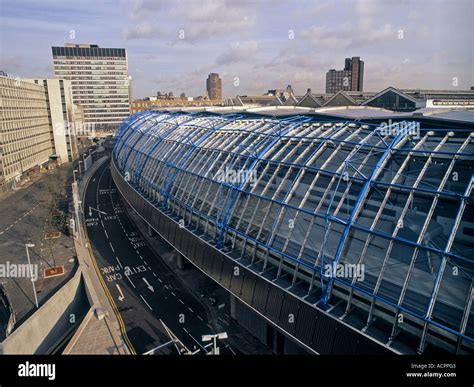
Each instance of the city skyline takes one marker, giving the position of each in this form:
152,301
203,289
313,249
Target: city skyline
253,47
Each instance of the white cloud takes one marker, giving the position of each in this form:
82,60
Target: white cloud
237,52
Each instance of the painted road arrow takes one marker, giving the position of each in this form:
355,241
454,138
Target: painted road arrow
121,297
148,285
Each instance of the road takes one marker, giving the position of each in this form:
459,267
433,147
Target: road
142,286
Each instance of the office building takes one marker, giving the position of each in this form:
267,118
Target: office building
349,79
25,132
214,87
100,82
62,119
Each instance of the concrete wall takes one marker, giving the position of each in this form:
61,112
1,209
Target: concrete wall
49,325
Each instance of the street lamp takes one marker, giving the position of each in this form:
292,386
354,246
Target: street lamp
31,271
220,336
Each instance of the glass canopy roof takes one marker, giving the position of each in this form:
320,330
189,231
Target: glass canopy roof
346,210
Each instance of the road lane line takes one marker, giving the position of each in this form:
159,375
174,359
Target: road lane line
192,337
112,247
200,318
180,300
145,302
107,235
120,263
192,311
129,280
159,279
173,294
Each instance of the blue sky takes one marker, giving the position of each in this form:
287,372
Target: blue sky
254,45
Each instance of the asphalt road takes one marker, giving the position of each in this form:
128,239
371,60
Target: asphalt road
142,286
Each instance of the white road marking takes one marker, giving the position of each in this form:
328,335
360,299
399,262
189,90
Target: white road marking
192,311
107,235
200,318
173,294
121,297
190,335
130,281
145,302
148,285
159,279
118,260
180,300
112,247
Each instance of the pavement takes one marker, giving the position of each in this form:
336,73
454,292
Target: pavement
146,292
26,219
94,337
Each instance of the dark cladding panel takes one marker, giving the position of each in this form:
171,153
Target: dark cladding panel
248,285
274,303
177,234
305,323
186,243
260,295
164,229
208,257
348,342
289,313
157,220
217,266
248,319
345,342
199,252
226,273
237,280
323,337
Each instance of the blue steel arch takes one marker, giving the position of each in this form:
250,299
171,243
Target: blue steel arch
220,133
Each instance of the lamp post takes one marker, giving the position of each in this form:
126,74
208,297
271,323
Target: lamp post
220,336
31,271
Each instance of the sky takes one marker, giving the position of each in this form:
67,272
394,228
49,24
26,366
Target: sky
172,45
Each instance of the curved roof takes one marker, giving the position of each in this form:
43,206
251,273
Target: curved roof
293,195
